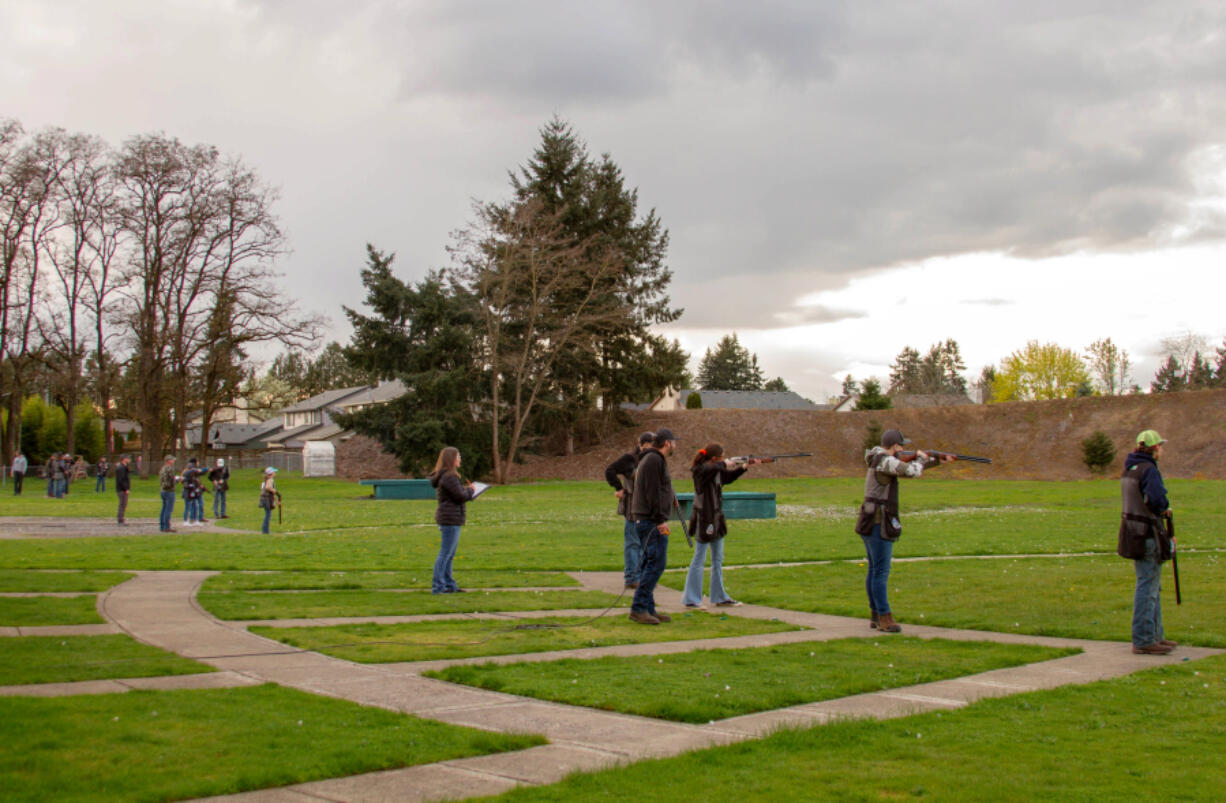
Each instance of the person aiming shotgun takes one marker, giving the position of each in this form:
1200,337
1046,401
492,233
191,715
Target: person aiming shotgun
1146,541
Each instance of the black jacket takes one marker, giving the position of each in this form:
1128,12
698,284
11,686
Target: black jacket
122,481
653,489
623,466
707,518
452,494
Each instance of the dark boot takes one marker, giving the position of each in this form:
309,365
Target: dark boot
873,619
886,624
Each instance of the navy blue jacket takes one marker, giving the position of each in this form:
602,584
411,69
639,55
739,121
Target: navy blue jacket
1152,487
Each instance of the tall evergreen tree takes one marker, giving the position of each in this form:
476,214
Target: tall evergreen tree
730,366
871,397
594,206
1169,377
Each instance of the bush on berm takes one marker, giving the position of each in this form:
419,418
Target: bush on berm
1098,451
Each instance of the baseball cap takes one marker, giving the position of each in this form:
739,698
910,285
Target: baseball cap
270,470
892,437
1150,438
665,434
647,437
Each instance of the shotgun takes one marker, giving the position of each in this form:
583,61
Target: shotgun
766,458
907,457
1170,531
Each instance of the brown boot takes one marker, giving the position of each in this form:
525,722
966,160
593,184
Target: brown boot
643,618
662,616
873,620
1157,648
886,623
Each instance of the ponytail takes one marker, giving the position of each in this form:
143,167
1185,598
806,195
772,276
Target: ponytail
712,451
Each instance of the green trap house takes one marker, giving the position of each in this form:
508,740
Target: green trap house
737,504
404,489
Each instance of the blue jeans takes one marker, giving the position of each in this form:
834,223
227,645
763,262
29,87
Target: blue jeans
100,485
1147,603
880,552
693,578
267,520
50,487
219,504
61,487
655,559
443,582
634,553
168,509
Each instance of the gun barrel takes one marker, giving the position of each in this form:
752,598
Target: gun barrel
973,459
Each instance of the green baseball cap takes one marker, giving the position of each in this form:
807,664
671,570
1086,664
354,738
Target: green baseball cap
1150,438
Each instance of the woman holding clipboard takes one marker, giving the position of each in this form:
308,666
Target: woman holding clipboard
452,494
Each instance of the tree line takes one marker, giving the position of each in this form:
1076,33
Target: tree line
537,331
135,278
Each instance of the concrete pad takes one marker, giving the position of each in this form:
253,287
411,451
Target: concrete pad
9,631
60,594
206,680
69,630
64,689
631,736
428,782
765,723
283,794
541,765
412,695
877,705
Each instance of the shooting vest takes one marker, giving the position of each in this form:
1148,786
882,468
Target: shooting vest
707,522
1137,522
880,504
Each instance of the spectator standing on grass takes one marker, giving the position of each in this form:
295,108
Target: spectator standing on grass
878,524
1143,538
19,472
620,474
452,494
711,473
270,498
60,472
123,485
219,475
167,480
193,493
103,467
652,505
49,473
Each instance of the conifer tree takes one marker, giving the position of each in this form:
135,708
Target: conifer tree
730,366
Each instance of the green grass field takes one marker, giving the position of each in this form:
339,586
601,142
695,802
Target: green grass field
61,659
1154,735
424,641
341,554
172,745
707,685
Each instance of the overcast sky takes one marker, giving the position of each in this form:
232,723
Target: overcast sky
840,180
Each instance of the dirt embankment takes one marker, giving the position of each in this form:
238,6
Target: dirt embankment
1026,440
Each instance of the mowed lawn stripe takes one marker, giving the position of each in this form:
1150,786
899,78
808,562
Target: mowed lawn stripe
63,659
238,605
40,611
707,685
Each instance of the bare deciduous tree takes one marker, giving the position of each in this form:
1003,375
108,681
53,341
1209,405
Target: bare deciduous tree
1109,365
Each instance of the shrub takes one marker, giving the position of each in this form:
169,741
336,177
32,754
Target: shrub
1098,451
872,434
693,401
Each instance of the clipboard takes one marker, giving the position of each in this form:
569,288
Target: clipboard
478,489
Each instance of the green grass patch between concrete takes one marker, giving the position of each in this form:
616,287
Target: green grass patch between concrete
174,745
63,659
710,685
423,641
351,581
41,611
1155,734
1076,597
319,604
30,581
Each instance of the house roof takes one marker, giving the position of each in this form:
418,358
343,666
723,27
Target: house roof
321,400
285,436
376,394
750,400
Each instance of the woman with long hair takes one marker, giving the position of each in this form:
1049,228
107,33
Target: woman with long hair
452,494
711,473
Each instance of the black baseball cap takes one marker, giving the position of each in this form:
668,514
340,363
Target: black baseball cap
646,437
665,434
892,437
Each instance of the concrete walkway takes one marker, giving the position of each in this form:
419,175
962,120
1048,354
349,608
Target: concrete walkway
159,608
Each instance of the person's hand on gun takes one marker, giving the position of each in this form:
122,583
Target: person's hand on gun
663,528
621,493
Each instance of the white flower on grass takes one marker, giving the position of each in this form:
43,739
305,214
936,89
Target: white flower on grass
300,722
727,688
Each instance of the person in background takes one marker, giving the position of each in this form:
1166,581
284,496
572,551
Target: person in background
619,474
123,484
652,506
452,494
711,473
219,475
103,467
20,464
49,473
167,480
1143,539
193,493
270,498
878,524
61,468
